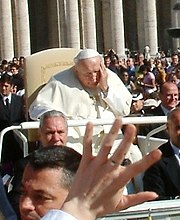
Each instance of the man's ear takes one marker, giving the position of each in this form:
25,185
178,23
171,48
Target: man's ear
39,134
167,127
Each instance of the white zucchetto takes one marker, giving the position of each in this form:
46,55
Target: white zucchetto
85,54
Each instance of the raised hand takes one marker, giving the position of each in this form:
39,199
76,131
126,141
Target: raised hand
99,183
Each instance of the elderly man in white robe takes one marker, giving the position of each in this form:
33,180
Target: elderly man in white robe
88,90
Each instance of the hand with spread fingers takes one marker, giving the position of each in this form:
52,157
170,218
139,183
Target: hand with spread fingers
100,180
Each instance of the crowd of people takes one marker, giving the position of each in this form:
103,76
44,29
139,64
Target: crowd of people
103,87
145,75
15,68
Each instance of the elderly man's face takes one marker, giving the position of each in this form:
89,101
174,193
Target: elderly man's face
42,190
88,72
53,132
169,96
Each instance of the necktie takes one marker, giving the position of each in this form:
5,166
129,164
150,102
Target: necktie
7,103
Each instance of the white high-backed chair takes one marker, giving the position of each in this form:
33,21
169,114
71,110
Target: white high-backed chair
39,67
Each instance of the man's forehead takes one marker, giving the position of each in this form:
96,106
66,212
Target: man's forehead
54,120
31,175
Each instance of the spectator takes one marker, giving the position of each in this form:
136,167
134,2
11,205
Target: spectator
21,64
114,65
131,68
127,81
137,105
178,78
175,61
15,60
140,62
169,100
148,83
164,177
18,80
4,66
107,61
171,77
11,113
47,180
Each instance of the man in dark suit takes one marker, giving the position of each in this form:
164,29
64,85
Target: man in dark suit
6,210
169,100
164,177
11,113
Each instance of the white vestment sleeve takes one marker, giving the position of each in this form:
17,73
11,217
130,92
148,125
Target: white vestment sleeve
58,215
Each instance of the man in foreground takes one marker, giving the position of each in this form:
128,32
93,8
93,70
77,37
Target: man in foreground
47,180
164,176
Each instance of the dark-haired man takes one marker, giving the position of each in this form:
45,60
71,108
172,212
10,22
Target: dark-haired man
164,177
47,180
11,113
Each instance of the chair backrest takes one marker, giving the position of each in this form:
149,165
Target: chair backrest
40,66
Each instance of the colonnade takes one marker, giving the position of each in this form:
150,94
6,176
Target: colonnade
73,23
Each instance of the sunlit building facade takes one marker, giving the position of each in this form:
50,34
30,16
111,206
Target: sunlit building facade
28,26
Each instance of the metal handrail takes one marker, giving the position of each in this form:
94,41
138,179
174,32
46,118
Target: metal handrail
24,140
163,208
83,122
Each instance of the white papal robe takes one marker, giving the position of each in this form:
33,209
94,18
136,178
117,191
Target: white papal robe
65,93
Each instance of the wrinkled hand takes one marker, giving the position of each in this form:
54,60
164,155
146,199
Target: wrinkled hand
99,183
103,84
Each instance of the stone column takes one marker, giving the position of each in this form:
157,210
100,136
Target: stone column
117,27
175,22
72,18
54,23
140,24
150,26
6,30
107,24
89,24
22,28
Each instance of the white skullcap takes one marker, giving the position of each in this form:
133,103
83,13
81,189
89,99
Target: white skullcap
85,54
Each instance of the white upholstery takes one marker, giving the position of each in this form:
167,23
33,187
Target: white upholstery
40,66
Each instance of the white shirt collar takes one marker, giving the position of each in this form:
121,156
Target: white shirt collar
176,151
175,148
5,97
